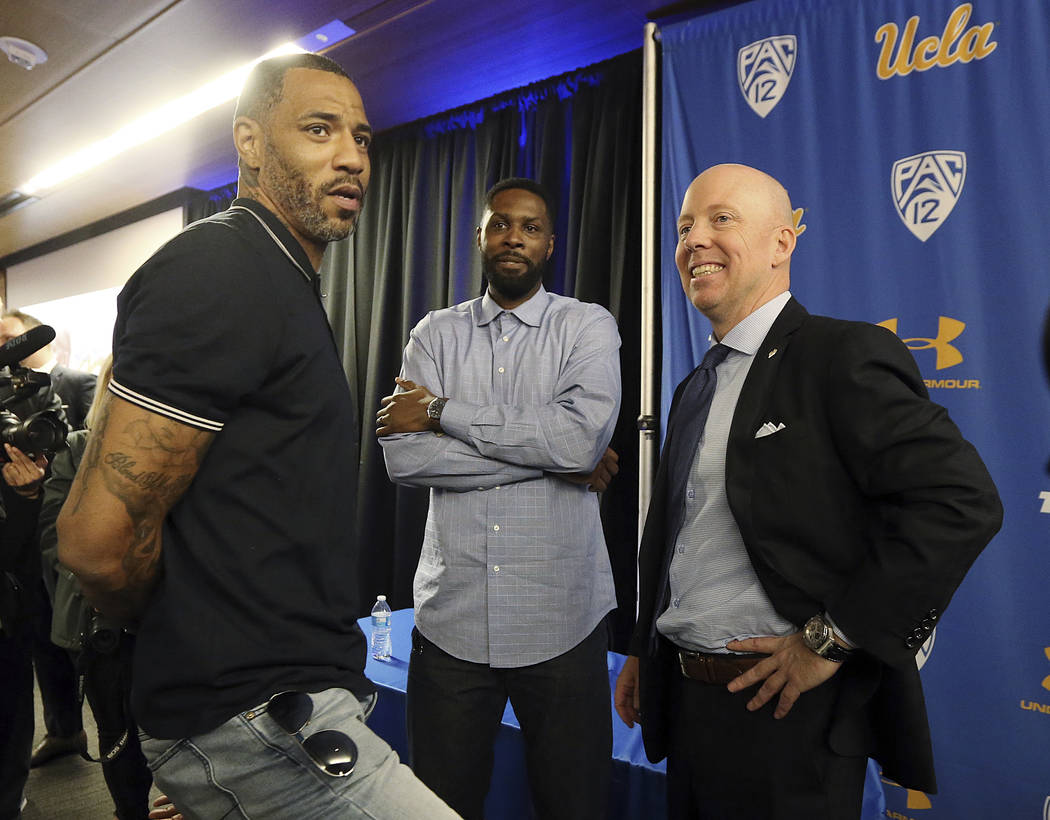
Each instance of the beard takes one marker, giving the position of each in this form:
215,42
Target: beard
512,286
298,199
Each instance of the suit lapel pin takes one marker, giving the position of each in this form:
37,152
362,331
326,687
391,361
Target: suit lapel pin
771,353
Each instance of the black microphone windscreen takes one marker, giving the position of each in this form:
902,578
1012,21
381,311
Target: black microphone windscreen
25,345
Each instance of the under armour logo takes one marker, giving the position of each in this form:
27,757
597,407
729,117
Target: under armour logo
948,330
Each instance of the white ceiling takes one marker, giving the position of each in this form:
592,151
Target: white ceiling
113,60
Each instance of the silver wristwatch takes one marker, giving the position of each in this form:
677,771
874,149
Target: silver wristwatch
818,636
435,407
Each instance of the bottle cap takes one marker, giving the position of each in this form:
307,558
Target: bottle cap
380,597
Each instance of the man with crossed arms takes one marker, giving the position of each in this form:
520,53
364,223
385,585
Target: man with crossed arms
505,400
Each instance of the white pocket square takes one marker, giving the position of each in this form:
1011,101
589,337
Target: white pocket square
769,429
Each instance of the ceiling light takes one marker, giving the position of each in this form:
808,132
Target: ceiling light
22,52
153,124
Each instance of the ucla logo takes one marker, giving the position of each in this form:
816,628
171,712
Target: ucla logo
925,650
764,69
1046,680
926,188
948,330
957,44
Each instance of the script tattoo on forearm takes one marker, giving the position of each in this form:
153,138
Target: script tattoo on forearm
125,464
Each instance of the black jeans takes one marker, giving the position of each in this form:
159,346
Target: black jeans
563,706
16,716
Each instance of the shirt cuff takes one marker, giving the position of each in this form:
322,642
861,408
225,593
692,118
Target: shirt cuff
456,417
838,632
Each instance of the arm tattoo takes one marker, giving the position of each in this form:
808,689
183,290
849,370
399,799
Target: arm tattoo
147,493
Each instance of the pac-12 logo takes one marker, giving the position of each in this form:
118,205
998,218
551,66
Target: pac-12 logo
926,187
925,650
764,69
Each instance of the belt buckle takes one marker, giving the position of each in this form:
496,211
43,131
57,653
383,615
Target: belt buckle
683,656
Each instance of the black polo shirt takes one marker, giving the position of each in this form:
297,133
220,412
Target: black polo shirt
223,330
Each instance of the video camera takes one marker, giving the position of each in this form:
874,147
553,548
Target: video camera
34,433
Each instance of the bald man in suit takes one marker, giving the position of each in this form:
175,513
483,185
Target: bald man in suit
798,554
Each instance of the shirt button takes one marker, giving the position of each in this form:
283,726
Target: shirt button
495,527
496,487
496,568
500,370
691,494
677,603
506,338
681,550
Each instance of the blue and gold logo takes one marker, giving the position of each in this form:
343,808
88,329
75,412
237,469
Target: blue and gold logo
925,189
900,54
914,799
947,354
948,330
764,69
1035,706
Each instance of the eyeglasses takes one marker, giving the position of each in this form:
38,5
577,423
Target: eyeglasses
332,752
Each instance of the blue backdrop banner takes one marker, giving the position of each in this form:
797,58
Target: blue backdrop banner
914,139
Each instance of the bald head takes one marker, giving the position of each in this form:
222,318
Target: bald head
764,189
736,235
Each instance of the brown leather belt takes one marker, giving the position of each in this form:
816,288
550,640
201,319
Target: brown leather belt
716,669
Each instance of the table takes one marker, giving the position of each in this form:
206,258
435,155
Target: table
637,786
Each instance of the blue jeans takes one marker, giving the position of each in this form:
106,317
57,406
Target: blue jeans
249,768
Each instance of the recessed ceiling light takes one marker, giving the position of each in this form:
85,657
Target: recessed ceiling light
22,52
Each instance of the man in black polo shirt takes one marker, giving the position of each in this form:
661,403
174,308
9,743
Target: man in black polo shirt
211,504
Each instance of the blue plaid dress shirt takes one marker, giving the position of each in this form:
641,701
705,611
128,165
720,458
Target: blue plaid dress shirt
514,569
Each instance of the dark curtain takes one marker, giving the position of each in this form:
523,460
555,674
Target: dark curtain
206,203
415,250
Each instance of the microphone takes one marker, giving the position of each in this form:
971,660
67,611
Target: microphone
25,345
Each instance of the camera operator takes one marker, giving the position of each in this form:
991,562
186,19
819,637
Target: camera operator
32,412
103,650
20,604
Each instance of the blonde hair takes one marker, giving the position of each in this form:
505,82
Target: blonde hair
101,389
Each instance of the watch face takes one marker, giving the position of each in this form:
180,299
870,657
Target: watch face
435,407
814,633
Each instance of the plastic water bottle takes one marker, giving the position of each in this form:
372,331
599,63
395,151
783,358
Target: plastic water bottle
381,629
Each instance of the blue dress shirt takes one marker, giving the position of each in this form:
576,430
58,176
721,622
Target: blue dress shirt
514,569
715,594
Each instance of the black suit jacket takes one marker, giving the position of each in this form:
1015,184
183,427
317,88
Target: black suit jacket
869,505
76,389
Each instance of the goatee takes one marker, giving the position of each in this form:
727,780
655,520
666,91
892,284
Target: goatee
512,286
